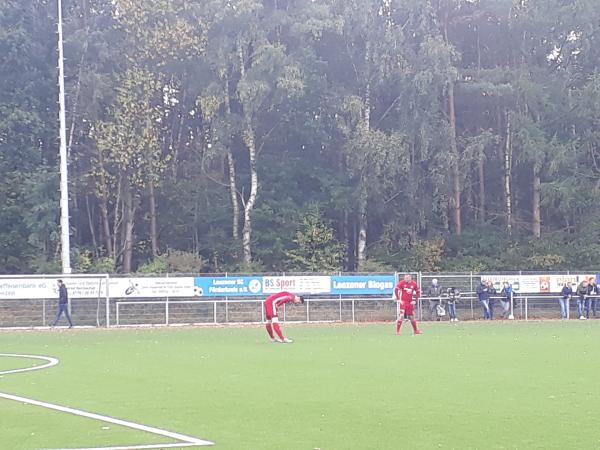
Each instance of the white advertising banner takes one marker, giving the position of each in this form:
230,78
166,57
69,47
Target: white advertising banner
145,287
142,287
22,288
297,284
537,284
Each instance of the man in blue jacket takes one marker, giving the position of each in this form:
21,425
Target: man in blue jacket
63,303
565,296
483,292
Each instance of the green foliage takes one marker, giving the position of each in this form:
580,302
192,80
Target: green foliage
346,105
317,249
157,266
174,261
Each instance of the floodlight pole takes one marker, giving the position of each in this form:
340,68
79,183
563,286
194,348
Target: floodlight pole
64,185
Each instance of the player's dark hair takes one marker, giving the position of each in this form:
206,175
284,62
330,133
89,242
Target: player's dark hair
301,298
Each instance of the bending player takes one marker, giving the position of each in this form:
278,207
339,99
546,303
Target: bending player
407,293
272,303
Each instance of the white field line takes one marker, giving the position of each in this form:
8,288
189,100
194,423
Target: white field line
49,363
185,441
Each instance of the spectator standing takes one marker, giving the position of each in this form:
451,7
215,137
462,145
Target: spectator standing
434,292
582,291
592,298
492,292
453,295
63,304
506,299
565,296
484,298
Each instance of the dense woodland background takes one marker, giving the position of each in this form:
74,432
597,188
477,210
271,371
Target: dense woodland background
260,135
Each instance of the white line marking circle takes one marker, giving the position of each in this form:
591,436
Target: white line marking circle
185,441
49,363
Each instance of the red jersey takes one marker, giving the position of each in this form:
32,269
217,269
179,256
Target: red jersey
274,301
405,290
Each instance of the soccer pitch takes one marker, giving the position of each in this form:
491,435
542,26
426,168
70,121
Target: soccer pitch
466,385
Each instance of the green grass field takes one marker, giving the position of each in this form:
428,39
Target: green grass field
469,385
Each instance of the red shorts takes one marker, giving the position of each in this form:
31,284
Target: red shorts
407,308
270,312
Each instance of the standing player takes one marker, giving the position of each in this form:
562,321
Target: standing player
407,293
271,304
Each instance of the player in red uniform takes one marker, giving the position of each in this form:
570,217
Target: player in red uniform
407,293
271,304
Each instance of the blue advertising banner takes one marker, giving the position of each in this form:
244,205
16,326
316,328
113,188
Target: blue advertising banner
228,286
363,284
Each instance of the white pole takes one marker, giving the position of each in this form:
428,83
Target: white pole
512,311
64,186
107,281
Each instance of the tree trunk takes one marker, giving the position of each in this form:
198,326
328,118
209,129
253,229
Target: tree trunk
231,165
233,195
153,225
480,169
537,214
363,195
456,185
361,250
129,213
249,205
507,173
91,225
117,220
104,208
250,141
177,141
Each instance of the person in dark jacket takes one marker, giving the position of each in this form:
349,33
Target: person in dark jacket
63,304
592,298
582,292
565,296
505,300
453,295
434,293
493,293
483,294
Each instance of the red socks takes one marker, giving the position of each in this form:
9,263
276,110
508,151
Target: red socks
270,330
413,322
278,330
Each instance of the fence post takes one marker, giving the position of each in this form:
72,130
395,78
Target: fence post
226,310
472,308
167,312
568,307
526,309
352,310
340,308
521,306
43,312
214,311
307,311
108,302
512,312
117,306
